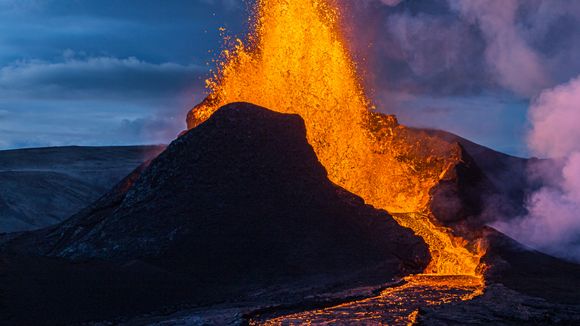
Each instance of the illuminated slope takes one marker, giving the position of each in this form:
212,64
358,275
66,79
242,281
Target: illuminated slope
296,61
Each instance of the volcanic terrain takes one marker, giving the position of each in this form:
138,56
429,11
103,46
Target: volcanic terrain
236,221
238,204
44,186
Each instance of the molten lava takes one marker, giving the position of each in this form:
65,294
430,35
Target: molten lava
397,305
296,61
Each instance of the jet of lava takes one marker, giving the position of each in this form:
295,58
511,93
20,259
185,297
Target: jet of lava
295,61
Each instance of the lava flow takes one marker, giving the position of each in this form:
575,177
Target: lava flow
393,306
295,61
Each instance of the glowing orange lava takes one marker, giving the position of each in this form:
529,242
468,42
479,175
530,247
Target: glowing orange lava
393,306
295,61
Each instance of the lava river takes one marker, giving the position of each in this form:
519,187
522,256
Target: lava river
393,306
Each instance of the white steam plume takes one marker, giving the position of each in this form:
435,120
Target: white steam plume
553,222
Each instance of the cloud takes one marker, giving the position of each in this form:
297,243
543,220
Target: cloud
391,3
133,70
136,56
455,49
87,100
75,77
522,46
19,5
151,129
418,48
430,45
33,123
518,67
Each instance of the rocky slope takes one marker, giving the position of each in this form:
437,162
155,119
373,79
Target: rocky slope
43,186
504,180
241,201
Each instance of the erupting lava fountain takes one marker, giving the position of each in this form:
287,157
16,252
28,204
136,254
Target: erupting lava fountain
295,61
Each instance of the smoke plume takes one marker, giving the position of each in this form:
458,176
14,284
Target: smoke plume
459,50
517,66
391,3
553,222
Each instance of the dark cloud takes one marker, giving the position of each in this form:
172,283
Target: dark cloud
456,47
414,53
95,101
417,47
97,76
515,64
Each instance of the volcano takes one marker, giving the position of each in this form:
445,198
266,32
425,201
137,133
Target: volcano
237,221
239,202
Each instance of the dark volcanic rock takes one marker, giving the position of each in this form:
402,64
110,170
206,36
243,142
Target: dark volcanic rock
461,192
501,306
245,182
496,184
530,272
240,200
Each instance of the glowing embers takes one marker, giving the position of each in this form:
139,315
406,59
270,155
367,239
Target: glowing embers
295,61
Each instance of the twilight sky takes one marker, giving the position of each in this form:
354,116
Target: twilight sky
105,72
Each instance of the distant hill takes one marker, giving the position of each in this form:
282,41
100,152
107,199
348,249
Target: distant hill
43,186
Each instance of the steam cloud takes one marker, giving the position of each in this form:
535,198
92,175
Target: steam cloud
553,222
526,47
517,66
391,3
457,47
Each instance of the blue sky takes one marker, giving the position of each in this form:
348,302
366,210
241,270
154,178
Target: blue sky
102,72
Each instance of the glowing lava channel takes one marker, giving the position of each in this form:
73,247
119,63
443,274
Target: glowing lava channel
295,61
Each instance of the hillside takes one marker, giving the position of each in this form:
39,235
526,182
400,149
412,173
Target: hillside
43,186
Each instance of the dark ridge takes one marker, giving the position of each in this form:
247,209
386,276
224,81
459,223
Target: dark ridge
529,271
